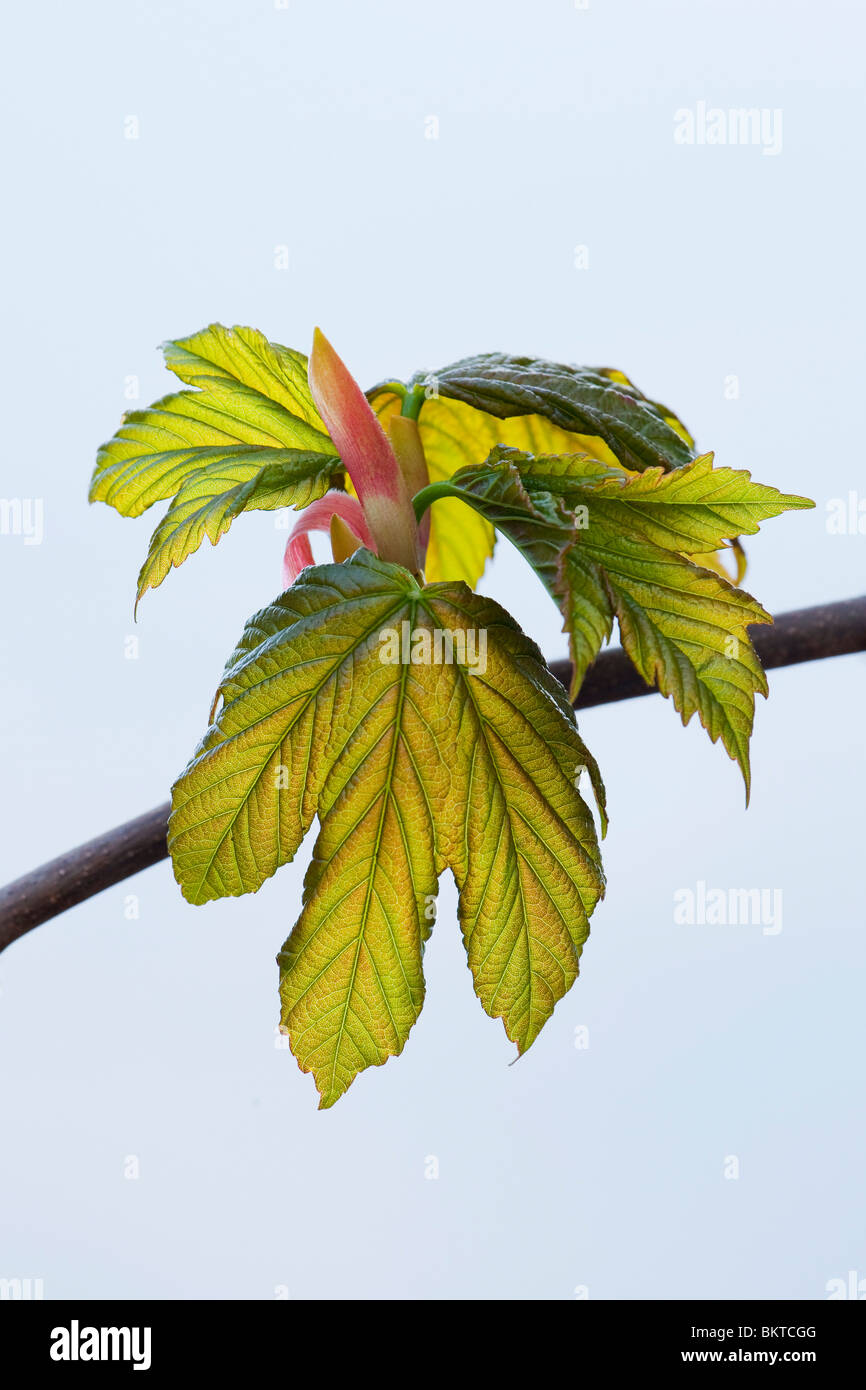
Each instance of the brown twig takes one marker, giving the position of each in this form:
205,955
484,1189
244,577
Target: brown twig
809,634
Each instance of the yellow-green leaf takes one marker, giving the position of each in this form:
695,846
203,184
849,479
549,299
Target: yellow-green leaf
685,629
609,543
691,509
249,796
210,499
520,841
244,356
423,729
455,436
351,979
211,448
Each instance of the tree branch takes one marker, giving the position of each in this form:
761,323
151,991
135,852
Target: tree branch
808,634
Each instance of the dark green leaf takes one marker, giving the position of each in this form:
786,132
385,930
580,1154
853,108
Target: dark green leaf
579,399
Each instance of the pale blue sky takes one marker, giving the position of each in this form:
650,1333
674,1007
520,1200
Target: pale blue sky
304,127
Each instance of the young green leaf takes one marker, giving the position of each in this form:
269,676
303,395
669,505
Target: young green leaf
210,499
424,730
666,413
351,980
684,628
520,840
691,509
244,356
582,400
252,790
456,436
248,436
609,544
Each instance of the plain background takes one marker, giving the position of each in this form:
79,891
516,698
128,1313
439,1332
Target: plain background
152,1037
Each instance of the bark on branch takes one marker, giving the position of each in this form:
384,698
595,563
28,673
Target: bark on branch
808,634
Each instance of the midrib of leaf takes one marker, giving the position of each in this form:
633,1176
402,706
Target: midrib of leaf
210,403
386,795
302,708
679,649
521,937
511,811
524,935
